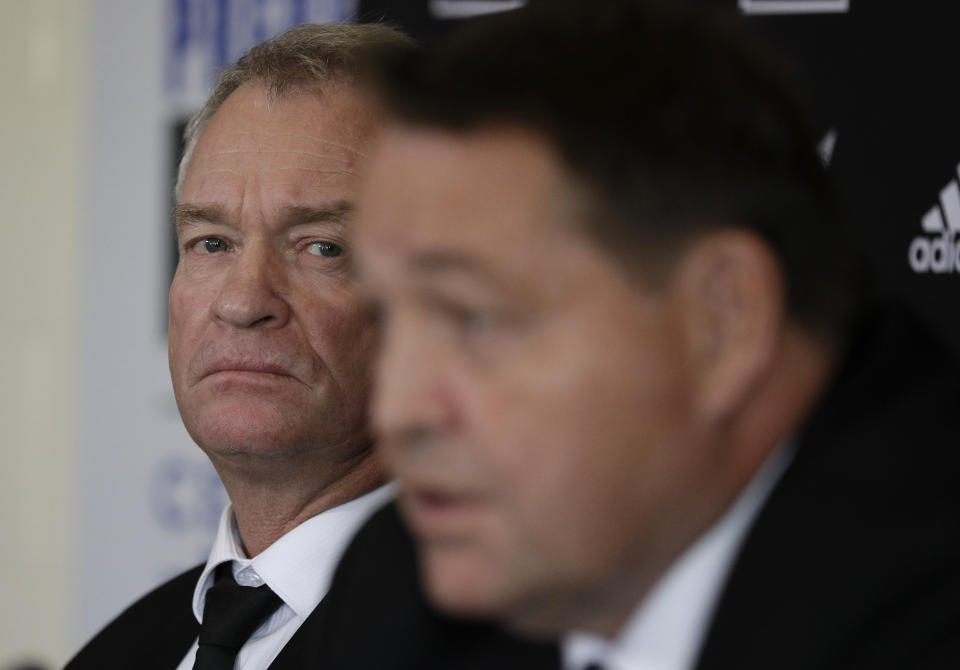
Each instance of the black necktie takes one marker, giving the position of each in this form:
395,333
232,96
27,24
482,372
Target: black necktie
231,613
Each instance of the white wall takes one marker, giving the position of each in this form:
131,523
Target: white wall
41,78
129,427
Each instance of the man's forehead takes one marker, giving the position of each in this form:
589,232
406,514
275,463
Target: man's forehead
427,223
292,194
489,145
437,194
339,122
319,143
297,154
297,162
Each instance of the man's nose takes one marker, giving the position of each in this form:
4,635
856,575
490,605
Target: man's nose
413,398
252,294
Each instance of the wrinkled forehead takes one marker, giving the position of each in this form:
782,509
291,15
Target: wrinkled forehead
337,109
302,140
336,103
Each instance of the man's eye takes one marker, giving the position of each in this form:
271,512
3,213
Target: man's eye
210,245
477,321
326,249
471,321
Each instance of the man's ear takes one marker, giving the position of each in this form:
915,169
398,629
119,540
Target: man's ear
729,292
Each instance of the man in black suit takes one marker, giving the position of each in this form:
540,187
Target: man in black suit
269,355
630,383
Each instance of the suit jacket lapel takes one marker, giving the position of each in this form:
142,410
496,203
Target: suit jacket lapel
303,650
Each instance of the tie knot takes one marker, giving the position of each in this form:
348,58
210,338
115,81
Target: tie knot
230,614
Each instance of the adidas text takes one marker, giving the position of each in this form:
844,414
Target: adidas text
938,251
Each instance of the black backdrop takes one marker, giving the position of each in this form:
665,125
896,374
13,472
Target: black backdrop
883,82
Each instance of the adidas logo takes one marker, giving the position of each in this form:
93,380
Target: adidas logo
940,255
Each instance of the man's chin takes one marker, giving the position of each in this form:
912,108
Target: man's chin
464,585
474,589
254,434
243,448
233,423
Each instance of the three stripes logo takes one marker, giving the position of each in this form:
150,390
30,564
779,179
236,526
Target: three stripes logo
938,251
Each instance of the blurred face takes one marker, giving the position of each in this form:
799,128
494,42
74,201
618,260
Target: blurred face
268,349
530,395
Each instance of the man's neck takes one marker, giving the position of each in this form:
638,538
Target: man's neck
667,628
267,507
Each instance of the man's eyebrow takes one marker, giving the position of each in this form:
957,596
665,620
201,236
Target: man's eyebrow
442,262
337,212
194,214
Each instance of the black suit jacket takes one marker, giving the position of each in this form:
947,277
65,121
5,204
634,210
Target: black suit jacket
154,633
854,561
373,618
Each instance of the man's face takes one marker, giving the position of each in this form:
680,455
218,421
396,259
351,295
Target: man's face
530,394
268,347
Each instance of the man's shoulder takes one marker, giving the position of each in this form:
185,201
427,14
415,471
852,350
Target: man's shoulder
376,615
852,561
155,631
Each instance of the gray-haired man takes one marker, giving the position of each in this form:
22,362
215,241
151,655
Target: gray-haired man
269,354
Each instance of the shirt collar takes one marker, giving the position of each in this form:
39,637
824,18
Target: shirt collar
667,629
299,566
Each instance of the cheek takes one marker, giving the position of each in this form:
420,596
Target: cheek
344,339
562,492
551,523
543,416
570,450
187,309
528,454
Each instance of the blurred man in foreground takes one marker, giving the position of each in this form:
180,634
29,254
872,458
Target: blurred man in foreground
269,355
627,383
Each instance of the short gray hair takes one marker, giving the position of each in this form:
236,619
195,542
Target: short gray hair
301,59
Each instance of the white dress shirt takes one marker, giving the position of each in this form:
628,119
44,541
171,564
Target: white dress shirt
668,627
298,567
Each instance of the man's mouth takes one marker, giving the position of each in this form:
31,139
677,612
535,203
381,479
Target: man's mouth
247,370
438,511
244,364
